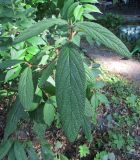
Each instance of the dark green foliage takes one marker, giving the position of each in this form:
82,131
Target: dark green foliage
70,90
64,97
11,155
46,73
4,148
104,36
9,63
38,28
15,114
19,150
26,89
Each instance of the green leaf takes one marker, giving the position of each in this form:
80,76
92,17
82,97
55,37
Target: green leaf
31,152
60,3
37,114
104,36
99,84
49,113
52,100
20,54
89,16
50,88
15,114
83,150
91,8
94,101
36,41
87,128
62,157
102,98
70,90
26,89
20,153
71,9
89,40
39,130
46,73
13,73
4,148
9,63
33,50
5,41
11,155
38,28
66,6
89,1
89,111
78,12
77,39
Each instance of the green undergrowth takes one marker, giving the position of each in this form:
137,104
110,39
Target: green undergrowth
121,117
115,132
115,135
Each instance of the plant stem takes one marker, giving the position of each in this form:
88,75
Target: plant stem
70,31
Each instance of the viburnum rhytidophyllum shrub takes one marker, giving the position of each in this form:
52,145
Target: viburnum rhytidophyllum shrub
45,69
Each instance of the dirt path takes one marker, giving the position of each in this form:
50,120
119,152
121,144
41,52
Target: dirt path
113,63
